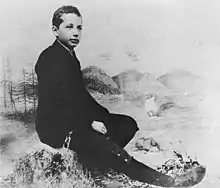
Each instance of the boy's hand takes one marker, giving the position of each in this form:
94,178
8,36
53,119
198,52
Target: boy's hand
99,126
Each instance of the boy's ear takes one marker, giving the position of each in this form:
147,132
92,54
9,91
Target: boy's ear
55,30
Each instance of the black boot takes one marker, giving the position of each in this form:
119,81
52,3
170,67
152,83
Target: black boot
135,170
138,171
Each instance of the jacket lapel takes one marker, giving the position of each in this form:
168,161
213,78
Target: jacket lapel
69,58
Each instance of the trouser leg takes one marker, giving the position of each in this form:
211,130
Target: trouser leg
121,129
95,150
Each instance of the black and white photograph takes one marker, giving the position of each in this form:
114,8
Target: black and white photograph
109,93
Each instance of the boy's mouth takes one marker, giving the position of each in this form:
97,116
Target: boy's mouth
74,41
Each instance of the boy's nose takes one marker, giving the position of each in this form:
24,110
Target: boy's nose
75,34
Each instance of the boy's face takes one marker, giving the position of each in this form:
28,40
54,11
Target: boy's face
69,31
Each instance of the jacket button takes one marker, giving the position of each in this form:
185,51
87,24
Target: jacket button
60,102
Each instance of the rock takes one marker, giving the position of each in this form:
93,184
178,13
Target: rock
191,177
183,82
147,144
97,80
127,80
186,173
164,107
43,166
5,140
129,85
150,107
114,184
155,108
140,86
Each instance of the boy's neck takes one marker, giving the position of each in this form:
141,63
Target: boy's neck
69,50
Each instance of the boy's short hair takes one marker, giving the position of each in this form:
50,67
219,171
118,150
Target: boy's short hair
66,9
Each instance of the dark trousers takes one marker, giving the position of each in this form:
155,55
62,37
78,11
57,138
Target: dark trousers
94,150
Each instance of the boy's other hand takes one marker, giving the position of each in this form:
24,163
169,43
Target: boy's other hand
99,127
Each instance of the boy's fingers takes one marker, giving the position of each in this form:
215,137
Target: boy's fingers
104,130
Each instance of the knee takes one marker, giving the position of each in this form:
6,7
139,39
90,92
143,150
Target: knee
131,125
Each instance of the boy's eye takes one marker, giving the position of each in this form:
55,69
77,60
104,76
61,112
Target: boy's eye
69,26
79,27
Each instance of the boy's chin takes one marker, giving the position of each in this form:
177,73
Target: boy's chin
73,46
69,45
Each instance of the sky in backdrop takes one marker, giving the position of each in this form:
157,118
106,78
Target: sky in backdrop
153,36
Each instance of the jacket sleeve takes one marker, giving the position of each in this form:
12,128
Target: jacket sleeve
56,86
87,104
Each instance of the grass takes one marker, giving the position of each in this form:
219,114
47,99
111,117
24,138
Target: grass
49,169
42,166
21,116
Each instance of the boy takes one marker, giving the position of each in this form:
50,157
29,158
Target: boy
98,137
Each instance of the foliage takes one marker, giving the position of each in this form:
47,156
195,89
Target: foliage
45,168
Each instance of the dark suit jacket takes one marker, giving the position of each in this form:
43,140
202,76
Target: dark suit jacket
63,102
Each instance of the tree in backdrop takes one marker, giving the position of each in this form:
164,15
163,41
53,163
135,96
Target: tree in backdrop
26,90
8,86
31,88
11,87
